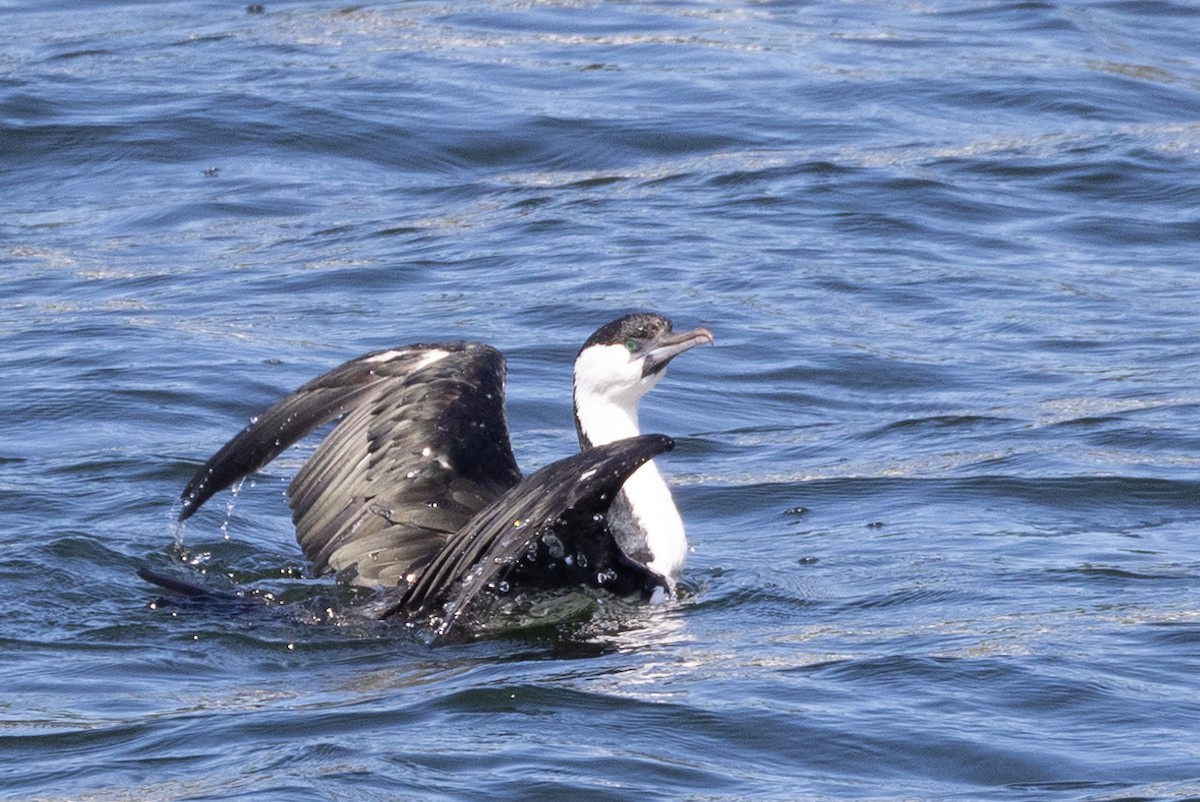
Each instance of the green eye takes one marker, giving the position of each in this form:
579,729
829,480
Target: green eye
633,345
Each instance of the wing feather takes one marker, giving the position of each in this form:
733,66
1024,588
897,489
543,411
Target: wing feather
550,529
422,446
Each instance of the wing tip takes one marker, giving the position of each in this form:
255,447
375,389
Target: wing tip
661,442
180,587
188,507
197,492
643,447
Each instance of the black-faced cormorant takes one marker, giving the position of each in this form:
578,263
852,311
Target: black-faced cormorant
416,490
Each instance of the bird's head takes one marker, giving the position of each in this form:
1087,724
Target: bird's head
618,365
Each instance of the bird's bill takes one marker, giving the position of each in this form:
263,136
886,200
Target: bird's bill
672,345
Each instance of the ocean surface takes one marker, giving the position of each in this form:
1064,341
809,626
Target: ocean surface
940,472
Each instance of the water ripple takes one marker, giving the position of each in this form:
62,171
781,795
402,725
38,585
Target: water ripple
939,472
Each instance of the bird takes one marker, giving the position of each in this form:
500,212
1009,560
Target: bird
415,492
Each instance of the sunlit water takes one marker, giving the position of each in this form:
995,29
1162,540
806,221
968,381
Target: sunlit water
940,473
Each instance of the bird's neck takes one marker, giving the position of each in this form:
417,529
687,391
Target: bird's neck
653,518
600,420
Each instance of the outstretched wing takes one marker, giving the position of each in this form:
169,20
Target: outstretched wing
550,530
422,447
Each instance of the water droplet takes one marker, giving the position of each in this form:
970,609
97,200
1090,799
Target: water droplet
554,546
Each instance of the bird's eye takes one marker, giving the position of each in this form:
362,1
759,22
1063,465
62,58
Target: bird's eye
633,345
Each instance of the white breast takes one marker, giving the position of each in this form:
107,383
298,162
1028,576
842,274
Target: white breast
656,515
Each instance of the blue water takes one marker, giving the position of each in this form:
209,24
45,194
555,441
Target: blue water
940,473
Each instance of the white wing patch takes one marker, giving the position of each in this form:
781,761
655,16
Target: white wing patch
429,357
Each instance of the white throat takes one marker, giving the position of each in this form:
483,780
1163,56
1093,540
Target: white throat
607,393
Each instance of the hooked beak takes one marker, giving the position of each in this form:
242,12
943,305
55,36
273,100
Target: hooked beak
672,345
